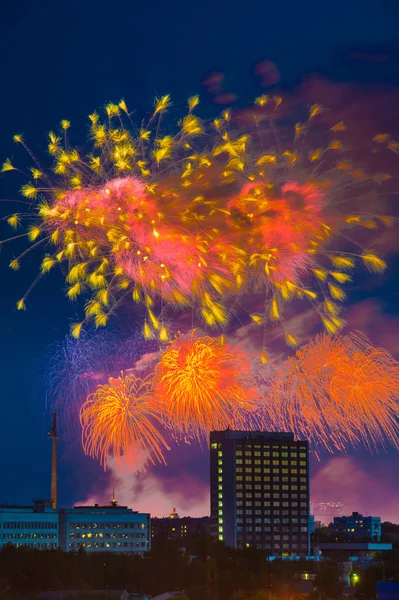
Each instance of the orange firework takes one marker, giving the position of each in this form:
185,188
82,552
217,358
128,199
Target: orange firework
204,384
118,419
337,391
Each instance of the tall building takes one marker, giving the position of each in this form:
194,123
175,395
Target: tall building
358,526
175,527
34,526
109,528
260,491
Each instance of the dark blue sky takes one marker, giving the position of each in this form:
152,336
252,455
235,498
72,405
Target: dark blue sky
65,59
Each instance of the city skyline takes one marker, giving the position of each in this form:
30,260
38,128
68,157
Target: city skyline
25,338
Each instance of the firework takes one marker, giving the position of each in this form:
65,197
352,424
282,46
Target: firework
338,392
122,418
204,384
165,222
73,368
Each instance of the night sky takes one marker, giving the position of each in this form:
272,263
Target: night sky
62,60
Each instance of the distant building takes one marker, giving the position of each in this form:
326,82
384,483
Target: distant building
362,550
358,526
34,526
175,527
312,525
109,528
260,491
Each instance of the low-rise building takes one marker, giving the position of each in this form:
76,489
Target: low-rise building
110,528
358,526
175,527
34,526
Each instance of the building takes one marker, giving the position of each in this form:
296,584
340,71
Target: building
260,491
358,526
364,552
175,527
110,528
35,526
312,524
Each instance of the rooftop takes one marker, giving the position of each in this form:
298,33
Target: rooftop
251,435
361,546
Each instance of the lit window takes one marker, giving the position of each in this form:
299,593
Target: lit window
214,446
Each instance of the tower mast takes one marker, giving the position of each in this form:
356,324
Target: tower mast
53,436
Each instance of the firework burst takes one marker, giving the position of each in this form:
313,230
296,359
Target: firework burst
118,419
204,384
170,224
338,392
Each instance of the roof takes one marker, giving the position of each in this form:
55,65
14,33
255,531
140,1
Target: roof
229,434
377,547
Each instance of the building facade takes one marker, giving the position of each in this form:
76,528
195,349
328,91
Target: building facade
260,491
358,526
109,528
179,528
34,526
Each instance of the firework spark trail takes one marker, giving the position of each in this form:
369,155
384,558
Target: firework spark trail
118,419
170,224
338,392
75,367
205,384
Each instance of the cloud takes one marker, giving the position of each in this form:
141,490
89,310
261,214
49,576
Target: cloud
148,492
367,486
382,329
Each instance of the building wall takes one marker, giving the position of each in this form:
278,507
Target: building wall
97,528
32,526
260,491
179,528
357,525
104,528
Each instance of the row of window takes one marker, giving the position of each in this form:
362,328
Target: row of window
277,548
269,496
107,535
29,525
282,468
40,545
107,525
276,476
29,536
275,454
276,536
74,546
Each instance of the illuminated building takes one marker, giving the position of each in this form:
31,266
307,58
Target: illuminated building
358,526
110,528
260,491
33,526
175,527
